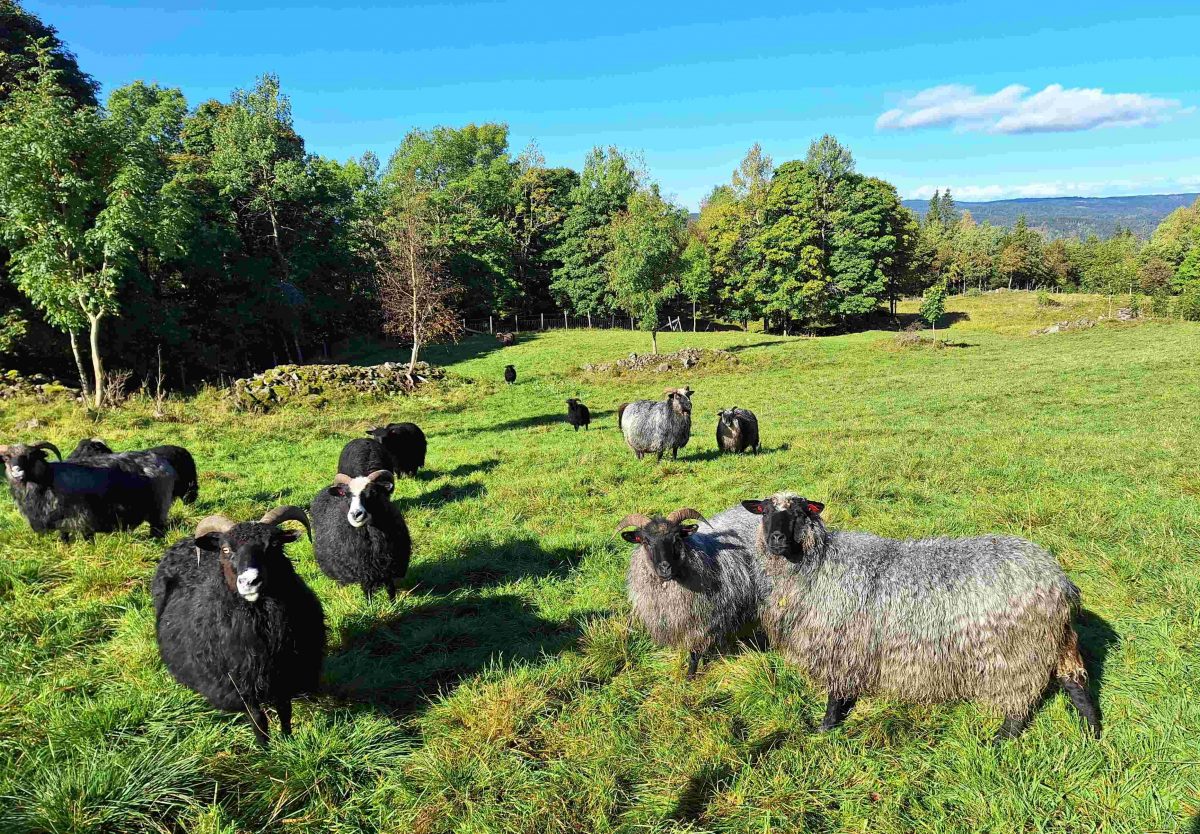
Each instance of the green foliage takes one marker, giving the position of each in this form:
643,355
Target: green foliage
933,303
1188,303
21,33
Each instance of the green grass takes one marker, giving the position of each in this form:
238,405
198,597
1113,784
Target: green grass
506,690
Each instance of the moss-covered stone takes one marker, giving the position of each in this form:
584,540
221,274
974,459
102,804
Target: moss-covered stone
317,385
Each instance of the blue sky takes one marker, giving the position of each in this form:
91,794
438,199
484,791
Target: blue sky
995,100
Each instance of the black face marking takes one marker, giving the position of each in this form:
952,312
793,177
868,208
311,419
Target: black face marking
662,542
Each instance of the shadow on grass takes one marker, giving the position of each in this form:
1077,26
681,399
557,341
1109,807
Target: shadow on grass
469,348
442,495
903,321
740,348
538,420
714,454
706,782
460,471
485,564
396,664
1096,639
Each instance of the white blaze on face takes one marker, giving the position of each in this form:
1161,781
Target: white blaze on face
247,584
358,515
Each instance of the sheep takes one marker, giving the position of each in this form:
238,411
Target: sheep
506,339
362,457
689,589
985,618
405,443
234,621
510,374
737,430
187,485
83,497
359,535
578,414
655,426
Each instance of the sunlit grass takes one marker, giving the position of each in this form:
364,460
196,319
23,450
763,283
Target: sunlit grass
506,690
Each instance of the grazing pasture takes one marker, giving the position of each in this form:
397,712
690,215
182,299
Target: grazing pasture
505,688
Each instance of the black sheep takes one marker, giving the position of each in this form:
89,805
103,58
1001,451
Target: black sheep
578,414
510,374
187,485
737,430
235,623
362,457
84,498
405,443
359,535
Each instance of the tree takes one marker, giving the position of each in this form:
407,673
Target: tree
20,32
948,213
933,214
581,280
695,282
933,304
643,264
540,202
415,291
70,201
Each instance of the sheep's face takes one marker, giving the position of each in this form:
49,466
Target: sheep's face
789,523
249,553
368,495
663,543
681,401
25,464
390,432
728,419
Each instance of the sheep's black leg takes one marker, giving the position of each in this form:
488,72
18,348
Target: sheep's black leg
836,710
693,663
1013,726
64,536
258,720
1081,699
283,707
674,453
660,454
391,590
368,589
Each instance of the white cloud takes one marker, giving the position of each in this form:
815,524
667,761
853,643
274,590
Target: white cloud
1059,188
1012,110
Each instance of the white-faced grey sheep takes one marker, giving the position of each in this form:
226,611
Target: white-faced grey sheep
737,430
578,414
84,498
234,621
654,427
359,535
363,456
987,619
405,443
187,485
690,589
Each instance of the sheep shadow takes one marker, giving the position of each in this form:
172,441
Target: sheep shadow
460,471
541,420
703,785
485,564
440,496
716,454
397,664
1096,639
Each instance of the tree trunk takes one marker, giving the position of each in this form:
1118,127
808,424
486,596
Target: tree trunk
97,363
654,340
84,385
693,316
299,353
412,363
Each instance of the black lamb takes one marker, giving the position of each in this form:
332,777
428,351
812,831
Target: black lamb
362,457
578,414
187,484
359,535
235,623
405,443
83,497
510,374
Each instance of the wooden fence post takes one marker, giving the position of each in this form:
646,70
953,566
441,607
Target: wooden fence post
589,319
491,329
543,321
516,324
565,323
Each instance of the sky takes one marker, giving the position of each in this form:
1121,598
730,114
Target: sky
995,100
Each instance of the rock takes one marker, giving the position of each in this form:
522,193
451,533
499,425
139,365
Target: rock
318,385
39,386
685,359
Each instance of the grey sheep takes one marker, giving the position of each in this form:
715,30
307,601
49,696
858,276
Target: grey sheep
737,430
654,427
987,619
689,589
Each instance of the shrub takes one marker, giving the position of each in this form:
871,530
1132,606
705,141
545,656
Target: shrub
1044,300
1160,305
1188,304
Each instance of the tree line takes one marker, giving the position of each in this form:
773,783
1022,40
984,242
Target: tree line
144,230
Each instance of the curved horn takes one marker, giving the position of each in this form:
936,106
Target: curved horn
380,473
288,512
683,514
46,444
213,524
342,478
633,520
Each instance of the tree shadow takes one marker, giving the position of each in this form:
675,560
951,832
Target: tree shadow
472,347
703,785
485,564
397,664
904,321
740,348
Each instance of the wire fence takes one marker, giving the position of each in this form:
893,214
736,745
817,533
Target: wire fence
565,321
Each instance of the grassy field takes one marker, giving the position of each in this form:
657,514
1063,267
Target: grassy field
506,690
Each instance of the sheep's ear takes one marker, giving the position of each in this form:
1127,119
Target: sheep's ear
756,507
687,529
815,507
209,542
337,491
632,536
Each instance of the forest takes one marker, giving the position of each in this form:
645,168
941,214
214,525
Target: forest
195,241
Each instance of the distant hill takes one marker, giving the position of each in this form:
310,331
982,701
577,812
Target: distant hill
1075,216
